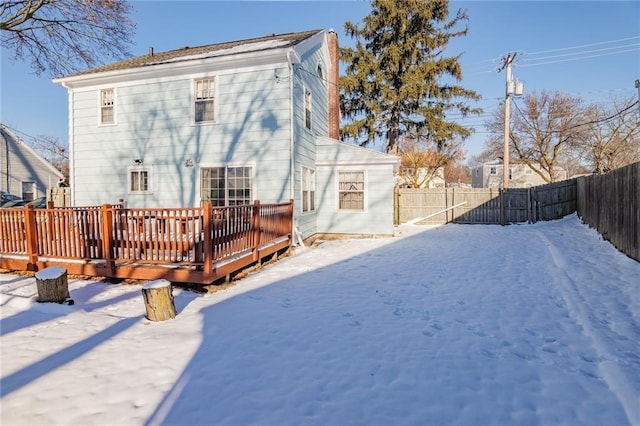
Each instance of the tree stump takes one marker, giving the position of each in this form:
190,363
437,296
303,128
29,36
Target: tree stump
158,300
52,285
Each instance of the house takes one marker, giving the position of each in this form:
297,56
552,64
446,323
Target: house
22,171
490,175
423,177
227,123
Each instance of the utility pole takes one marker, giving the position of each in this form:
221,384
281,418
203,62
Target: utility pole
509,89
638,87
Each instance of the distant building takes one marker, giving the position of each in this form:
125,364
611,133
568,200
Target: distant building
490,175
405,176
22,171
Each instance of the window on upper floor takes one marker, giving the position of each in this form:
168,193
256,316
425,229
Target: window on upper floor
204,98
107,106
227,185
320,72
351,190
307,108
493,171
308,190
139,180
528,171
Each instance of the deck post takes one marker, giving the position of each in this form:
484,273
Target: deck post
31,236
256,229
206,241
106,212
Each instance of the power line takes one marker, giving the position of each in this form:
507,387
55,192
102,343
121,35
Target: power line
635,47
598,121
581,46
582,57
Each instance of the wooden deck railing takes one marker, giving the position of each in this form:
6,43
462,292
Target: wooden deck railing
198,245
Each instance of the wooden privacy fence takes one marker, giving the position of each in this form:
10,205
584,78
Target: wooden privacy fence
195,245
486,205
610,203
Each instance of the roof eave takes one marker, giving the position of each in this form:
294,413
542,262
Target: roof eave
177,67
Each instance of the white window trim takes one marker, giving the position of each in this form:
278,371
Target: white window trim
149,179
312,189
216,97
115,106
365,200
227,165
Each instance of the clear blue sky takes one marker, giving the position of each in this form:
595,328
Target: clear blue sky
546,33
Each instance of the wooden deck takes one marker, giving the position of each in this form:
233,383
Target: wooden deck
192,245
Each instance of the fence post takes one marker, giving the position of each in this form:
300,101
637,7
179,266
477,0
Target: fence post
453,203
106,212
501,201
396,206
290,213
208,246
256,229
32,237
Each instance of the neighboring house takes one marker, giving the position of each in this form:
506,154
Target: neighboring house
228,123
490,175
22,171
436,181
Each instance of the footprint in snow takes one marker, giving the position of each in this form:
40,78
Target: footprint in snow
286,303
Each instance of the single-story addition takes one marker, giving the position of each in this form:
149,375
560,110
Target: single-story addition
23,172
227,123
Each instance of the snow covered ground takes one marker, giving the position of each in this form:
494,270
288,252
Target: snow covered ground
469,325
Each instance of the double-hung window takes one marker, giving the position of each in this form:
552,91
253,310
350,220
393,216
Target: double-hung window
204,94
227,185
107,106
308,190
307,108
139,180
351,190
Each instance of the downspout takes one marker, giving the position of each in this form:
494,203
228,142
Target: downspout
295,233
291,124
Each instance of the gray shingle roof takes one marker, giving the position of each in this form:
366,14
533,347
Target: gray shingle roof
188,53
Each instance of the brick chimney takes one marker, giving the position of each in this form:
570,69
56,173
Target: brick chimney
334,93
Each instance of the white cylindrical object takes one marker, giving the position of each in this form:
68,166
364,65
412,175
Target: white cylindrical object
519,88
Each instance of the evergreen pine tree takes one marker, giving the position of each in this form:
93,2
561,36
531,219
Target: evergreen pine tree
398,79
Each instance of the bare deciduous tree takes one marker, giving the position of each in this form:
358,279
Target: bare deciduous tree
421,162
456,173
612,137
60,37
542,132
52,150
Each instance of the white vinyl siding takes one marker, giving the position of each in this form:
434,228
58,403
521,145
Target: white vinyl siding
156,121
